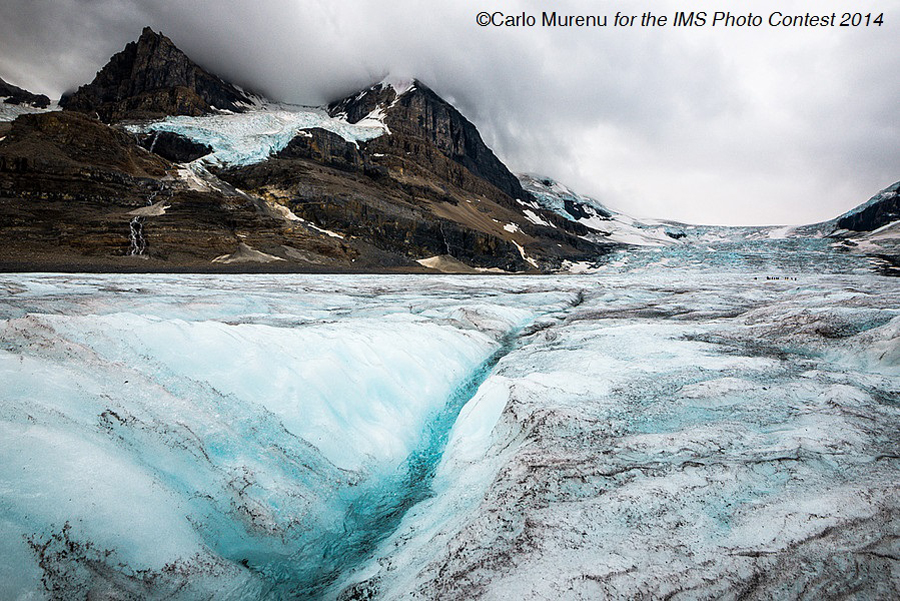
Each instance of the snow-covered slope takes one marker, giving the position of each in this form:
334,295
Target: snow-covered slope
607,225
613,226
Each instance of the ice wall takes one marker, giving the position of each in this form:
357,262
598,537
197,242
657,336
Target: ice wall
188,436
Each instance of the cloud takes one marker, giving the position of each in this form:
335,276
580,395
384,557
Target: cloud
705,124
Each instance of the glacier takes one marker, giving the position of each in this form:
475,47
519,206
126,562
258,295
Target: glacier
661,426
252,136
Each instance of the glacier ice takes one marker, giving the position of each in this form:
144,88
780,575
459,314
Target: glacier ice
674,434
643,430
250,137
247,421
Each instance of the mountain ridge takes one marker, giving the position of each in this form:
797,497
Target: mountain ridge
151,77
16,95
391,177
416,183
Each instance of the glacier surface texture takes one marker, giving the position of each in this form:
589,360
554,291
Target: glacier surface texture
655,431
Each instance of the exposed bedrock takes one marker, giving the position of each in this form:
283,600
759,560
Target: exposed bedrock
16,95
153,78
886,210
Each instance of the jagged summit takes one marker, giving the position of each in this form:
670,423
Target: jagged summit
151,77
372,101
15,95
411,110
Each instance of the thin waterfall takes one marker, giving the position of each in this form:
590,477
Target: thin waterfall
138,242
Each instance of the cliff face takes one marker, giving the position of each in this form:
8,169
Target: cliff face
878,212
76,194
16,95
153,78
418,114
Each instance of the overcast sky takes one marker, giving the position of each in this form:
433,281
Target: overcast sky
705,125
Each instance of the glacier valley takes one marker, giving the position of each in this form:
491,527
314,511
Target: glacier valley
664,426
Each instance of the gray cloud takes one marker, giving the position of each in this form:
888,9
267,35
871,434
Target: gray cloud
703,125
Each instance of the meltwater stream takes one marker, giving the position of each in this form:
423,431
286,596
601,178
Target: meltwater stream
250,438
374,514
672,429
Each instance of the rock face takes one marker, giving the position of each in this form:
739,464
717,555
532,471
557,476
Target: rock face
173,147
328,148
403,196
152,78
878,212
15,95
76,194
392,221
417,113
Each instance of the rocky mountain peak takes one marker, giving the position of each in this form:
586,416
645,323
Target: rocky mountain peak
373,101
411,109
152,77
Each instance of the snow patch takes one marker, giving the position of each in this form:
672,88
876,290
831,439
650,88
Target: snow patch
11,112
525,257
535,218
154,210
445,264
246,254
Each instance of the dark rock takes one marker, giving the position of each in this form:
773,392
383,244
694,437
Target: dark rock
324,147
15,95
152,78
582,211
359,106
420,114
66,144
880,213
173,147
69,189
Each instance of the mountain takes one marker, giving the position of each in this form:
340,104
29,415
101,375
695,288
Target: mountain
390,178
412,111
393,177
602,223
14,95
426,186
872,228
153,78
